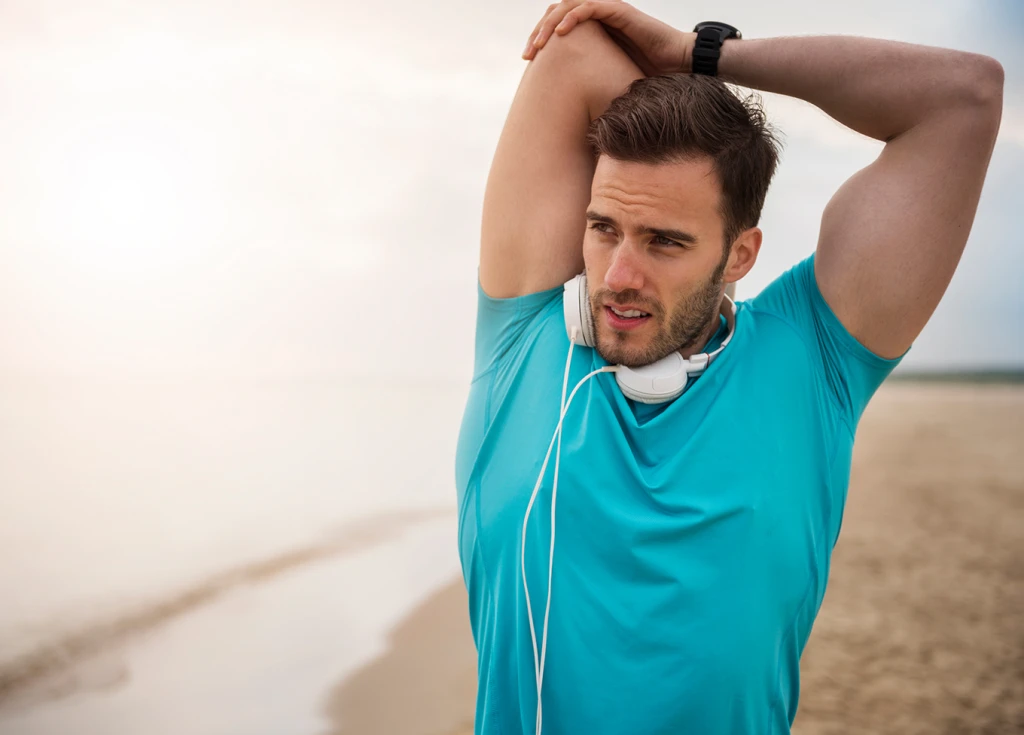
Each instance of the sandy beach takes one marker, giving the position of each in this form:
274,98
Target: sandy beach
920,631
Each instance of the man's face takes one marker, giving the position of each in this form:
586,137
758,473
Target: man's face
673,276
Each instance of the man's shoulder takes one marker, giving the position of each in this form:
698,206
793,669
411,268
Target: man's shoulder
505,325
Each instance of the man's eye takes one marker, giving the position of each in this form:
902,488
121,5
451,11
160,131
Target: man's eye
597,226
665,240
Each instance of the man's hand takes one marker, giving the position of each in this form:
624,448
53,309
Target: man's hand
656,48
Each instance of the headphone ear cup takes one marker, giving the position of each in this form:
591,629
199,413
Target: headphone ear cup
576,309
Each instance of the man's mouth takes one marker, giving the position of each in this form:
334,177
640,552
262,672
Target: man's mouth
629,313
625,319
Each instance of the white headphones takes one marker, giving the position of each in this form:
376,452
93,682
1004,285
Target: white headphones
655,383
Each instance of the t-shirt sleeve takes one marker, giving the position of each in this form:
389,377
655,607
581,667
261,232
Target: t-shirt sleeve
852,373
500,323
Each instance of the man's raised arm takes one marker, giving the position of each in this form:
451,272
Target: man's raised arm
534,212
892,236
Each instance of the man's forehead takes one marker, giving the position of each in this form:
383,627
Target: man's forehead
682,185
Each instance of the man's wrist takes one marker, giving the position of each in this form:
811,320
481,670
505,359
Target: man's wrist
689,40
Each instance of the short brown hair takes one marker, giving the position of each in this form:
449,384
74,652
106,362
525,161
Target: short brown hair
676,117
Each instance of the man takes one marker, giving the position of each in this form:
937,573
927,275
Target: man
694,534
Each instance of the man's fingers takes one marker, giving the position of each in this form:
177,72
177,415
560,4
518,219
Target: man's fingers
552,19
606,11
558,13
568,23
530,48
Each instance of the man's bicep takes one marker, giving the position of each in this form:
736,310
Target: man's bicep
892,236
539,183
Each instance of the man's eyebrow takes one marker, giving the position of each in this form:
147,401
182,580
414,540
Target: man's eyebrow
670,234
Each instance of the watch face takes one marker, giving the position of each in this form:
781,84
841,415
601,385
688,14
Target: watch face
727,30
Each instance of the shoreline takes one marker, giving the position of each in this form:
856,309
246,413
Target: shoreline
423,684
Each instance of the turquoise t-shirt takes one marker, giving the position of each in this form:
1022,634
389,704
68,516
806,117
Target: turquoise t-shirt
693,538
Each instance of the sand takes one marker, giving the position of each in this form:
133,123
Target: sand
426,682
921,630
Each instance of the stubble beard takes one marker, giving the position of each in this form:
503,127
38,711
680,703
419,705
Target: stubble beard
686,325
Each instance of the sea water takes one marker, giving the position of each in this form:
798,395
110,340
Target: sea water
200,555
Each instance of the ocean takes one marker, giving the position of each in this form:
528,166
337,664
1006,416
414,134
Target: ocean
212,556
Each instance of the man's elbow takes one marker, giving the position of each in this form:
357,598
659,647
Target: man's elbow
987,87
977,107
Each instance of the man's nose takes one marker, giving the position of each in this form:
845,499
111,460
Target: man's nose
625,270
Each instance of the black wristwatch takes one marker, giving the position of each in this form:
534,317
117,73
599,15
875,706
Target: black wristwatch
708,47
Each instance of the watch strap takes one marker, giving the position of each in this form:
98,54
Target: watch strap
708,47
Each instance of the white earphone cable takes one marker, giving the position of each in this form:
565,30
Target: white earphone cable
538,662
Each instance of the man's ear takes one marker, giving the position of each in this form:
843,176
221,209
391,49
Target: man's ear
743,254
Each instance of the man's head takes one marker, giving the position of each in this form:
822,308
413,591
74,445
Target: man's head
683,167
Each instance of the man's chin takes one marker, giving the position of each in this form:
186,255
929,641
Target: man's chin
626,355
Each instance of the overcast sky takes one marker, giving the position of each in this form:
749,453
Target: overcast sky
295,188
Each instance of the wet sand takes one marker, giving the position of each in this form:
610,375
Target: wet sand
921,630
